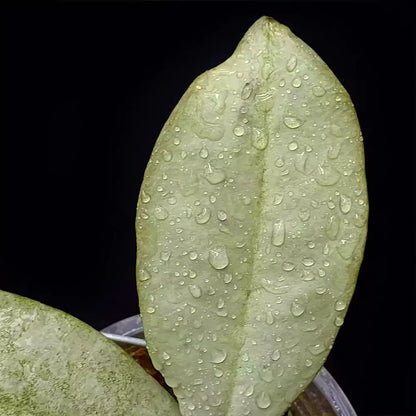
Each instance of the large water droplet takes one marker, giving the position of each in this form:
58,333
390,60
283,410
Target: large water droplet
340,305
327,175
204,216
145,197
278,233
292,122
287,266
203,152
195,291
144,275
291,63
263,400
297,309
345,204
218,356
161,213
318,91
246,91
275,355
308,261
332,227
259,140
218,258
239,131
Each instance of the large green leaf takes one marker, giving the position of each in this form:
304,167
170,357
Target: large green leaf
51,364
251,226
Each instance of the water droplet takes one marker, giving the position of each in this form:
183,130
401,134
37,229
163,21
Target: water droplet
332,227
325,250
304,214
318,91
203,152
308,362
222,215
167,156
165,356
269,318
275,355
195,291
164,255
340,305
214,176
145,197
228,278
297,309
327,175
263,400
218,356
345,204
161,213
151,309
218,372
246,91
220,303
259,140
218,258
279,162
316,349
239,131
339,321
204,216
278,233
144,275
291,63
249,390
308,262
297,82
292,122
320,290
278,198
288,266
292,146
267,375
193,255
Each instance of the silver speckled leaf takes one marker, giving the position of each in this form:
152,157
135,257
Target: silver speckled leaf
52,364
251,227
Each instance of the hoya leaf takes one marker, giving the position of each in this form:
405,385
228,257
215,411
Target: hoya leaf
251,226
52,364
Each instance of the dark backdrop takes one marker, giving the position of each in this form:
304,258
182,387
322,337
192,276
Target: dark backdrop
87,90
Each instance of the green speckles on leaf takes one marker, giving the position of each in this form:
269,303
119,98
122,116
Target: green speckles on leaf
270,217
54,365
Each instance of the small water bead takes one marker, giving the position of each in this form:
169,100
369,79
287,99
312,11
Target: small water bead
292,122
320,290
308,363
338,321
275,355
243,109
288,266
297,82
167,155
304,214
263,400
279,162
204,216
192,274
327,175
203,152
311,244
222,215
292,145
145,197
161,213
218,258
297,309
218,356
193,255
165,255
340,305
246,91
269,318
172,200
333,227
278,233
321,272
345,204
195,291
144,275
165,355
308,262
316,349
318,91
212,199
239,131
278,198
291,63
220,303
214,177
150,309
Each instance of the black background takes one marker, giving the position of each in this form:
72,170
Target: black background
88,87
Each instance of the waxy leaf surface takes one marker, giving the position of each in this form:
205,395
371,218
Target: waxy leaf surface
251,226
51,364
